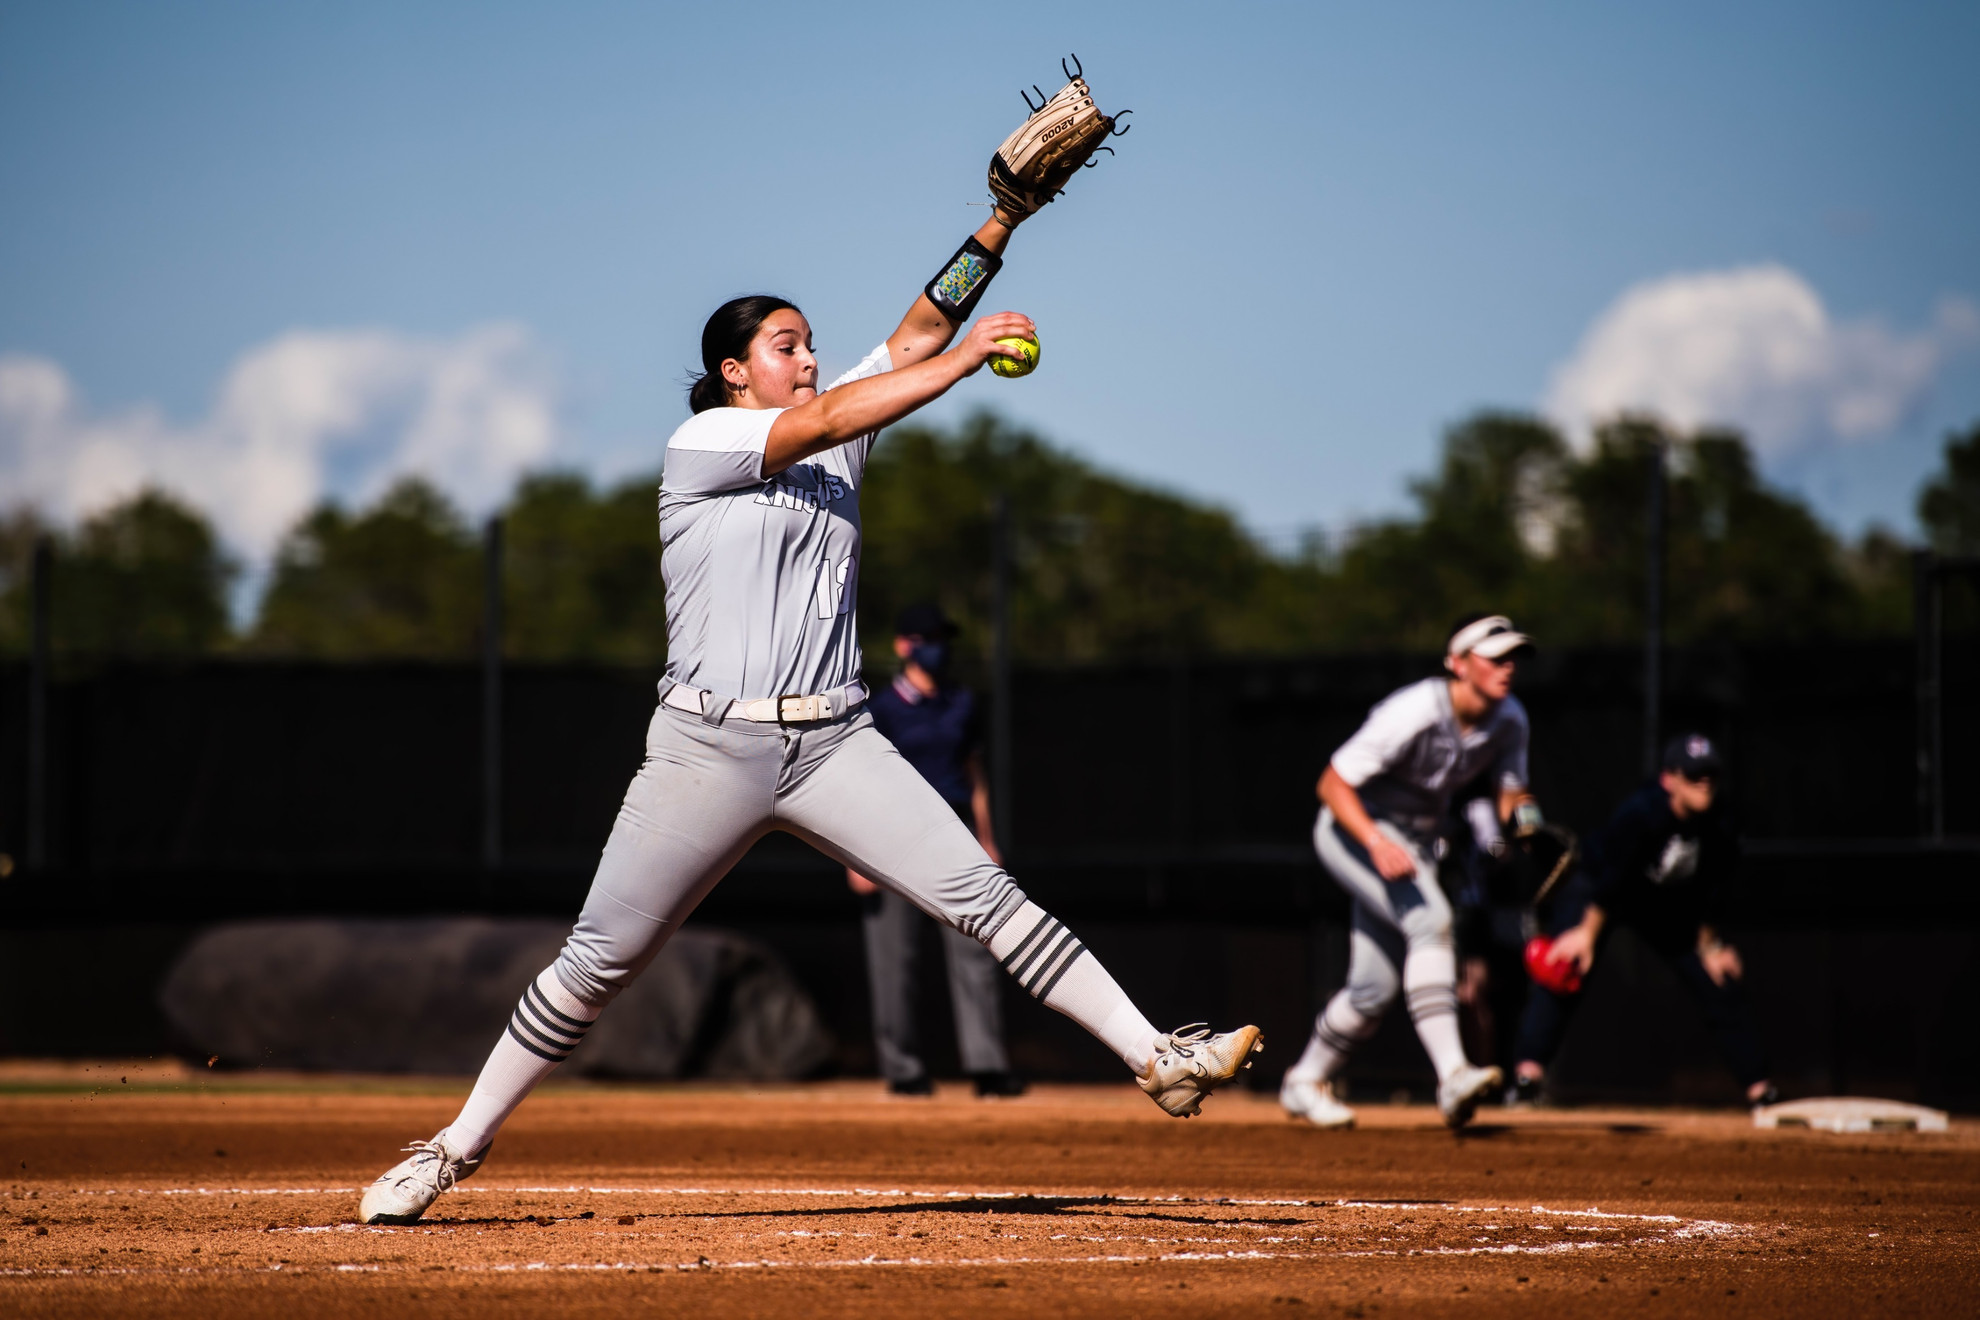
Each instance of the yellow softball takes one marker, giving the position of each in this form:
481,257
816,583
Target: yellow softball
1015,367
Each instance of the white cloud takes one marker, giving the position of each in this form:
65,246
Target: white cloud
1752,348
307,414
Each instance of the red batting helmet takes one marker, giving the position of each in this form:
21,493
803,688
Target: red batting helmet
1560,975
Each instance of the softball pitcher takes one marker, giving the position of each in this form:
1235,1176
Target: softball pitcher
761,723
1385,796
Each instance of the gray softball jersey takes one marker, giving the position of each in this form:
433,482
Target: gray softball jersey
1410,756
762,576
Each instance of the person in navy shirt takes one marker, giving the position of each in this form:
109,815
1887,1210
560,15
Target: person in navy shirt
935,724
1663,866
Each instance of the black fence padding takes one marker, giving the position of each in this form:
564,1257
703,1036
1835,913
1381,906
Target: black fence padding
1821,741
240,786
243,765
432,996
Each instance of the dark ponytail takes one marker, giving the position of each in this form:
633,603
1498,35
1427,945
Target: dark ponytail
727,335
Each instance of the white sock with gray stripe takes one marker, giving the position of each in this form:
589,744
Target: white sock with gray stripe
549,1022
1336,1031
1430,987
1057,969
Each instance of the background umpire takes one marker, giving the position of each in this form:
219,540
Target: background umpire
935,725
1661,866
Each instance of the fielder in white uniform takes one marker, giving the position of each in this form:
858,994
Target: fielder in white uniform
1385,798
761,724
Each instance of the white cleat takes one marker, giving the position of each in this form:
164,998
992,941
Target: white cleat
1458,1095
1191,1062
404,1191
1315,1102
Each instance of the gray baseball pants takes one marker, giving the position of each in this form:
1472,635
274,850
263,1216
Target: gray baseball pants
706,792
1399,939
893,966
1389,915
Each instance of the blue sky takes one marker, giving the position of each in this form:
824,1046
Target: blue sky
267,252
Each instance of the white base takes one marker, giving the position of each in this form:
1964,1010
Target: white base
1846,1113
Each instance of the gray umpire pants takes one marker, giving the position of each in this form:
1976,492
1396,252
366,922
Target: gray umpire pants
706,792
893,973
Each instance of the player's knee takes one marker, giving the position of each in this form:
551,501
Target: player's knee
1372,996
1427,928
980,902
596,984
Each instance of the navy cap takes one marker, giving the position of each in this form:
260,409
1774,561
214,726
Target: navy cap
924,620
1692,755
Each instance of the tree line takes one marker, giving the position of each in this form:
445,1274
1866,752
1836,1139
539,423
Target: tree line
1513,519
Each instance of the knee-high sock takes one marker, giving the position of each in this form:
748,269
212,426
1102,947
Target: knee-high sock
1339,1027
1430,986
1056,968
547,1025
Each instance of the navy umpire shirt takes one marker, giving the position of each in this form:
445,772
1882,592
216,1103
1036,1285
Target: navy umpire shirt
936,734
1659,873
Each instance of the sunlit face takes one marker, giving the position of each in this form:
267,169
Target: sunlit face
1492,678
780,371
1689,797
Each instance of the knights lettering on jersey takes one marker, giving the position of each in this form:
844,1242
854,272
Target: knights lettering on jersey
807,488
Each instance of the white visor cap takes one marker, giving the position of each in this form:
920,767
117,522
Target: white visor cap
1490,637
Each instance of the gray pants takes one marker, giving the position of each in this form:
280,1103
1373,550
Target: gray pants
893,972
1390,917
707,792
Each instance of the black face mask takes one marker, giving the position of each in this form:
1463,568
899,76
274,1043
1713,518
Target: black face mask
933,657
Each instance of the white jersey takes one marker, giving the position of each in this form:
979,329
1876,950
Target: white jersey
762,576
1410,756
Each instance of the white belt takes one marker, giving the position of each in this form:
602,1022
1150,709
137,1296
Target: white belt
773,710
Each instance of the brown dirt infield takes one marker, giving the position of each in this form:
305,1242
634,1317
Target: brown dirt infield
177,1194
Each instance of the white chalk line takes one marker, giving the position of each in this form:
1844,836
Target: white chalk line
764,1263
1673,1229
1090,1198
1682,1228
